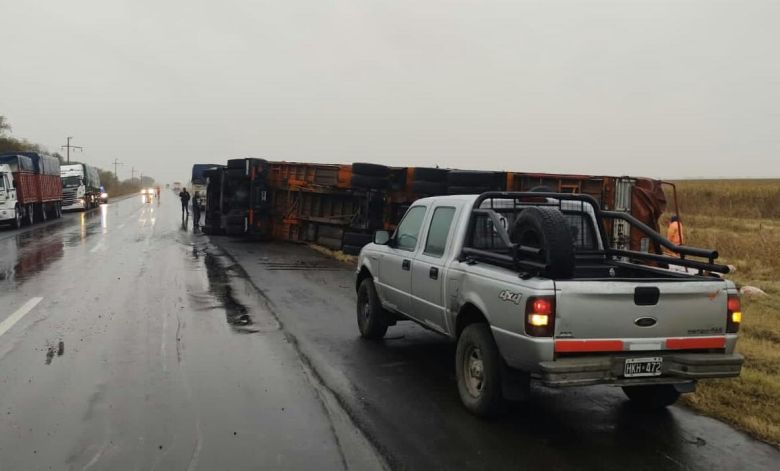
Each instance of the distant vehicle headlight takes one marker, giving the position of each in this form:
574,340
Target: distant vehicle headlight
104,195
143,191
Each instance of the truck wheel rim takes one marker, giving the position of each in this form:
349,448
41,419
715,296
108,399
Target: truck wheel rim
365,308
473,371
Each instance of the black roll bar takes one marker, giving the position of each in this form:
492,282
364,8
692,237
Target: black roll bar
600,214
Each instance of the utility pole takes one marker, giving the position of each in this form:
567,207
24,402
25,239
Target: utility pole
132,174
68,147
117,162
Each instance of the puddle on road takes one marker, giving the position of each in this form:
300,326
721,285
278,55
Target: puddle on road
224,279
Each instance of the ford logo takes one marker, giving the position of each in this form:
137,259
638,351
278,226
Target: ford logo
645,321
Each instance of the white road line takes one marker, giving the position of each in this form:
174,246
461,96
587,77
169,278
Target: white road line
6,325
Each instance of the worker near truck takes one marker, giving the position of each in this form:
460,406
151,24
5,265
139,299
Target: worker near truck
185,200
674,233
195,210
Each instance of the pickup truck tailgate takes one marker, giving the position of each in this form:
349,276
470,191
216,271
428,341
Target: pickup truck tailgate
636,310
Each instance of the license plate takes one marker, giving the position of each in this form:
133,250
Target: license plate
637,367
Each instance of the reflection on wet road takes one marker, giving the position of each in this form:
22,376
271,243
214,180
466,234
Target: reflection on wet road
128,342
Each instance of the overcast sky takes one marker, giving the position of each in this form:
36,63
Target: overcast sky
657,88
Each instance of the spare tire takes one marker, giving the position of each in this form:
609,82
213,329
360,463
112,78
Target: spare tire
427,174
472,178
546,229
429,188
363,181
370,170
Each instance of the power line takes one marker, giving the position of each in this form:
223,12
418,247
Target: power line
69,147
117,162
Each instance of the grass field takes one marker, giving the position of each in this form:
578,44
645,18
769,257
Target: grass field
741,219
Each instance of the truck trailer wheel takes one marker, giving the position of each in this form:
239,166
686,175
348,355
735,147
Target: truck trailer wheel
364,181
652,397
472,178
428,187
30,215
478,371
427,174
371,316
370,170
546,229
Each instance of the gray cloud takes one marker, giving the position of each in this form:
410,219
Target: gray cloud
659,88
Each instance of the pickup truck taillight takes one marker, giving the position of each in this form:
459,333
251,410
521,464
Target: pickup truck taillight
734,314
540,316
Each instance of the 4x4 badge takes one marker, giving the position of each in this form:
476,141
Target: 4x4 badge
507,295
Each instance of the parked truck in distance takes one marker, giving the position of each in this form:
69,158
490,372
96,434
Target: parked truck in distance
528,287
80,187
30,188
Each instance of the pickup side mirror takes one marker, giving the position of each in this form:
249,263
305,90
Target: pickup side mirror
381,237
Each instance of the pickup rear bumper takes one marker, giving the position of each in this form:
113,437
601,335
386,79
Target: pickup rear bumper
676,368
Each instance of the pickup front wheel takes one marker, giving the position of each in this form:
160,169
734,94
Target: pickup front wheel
478,370
652,397
371,316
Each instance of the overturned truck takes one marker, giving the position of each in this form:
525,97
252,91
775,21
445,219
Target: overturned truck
340,206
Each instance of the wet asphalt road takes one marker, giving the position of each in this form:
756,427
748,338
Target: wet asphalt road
402,391
128,342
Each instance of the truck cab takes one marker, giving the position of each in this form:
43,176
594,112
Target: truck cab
10,211
80,187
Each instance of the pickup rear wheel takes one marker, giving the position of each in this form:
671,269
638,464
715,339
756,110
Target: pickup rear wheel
652,397
371,316
478,371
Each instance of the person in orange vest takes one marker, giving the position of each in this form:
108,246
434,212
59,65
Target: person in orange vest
674,233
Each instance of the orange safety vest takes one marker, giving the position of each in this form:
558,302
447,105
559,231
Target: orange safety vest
675,233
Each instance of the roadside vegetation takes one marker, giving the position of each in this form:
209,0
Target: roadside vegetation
113,186
741,219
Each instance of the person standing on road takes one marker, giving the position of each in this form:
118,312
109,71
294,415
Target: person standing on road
185,200
158,192
195,211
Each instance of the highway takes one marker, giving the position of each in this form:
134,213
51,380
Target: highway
130,341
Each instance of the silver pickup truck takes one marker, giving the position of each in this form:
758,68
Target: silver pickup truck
529,287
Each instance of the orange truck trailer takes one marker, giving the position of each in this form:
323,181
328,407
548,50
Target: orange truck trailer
340,206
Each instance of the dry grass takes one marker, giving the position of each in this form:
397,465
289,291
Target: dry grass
741,219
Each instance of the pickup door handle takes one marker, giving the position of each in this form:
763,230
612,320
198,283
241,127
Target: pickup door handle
406,265
434,273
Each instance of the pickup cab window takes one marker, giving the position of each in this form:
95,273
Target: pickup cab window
409,230
439,231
